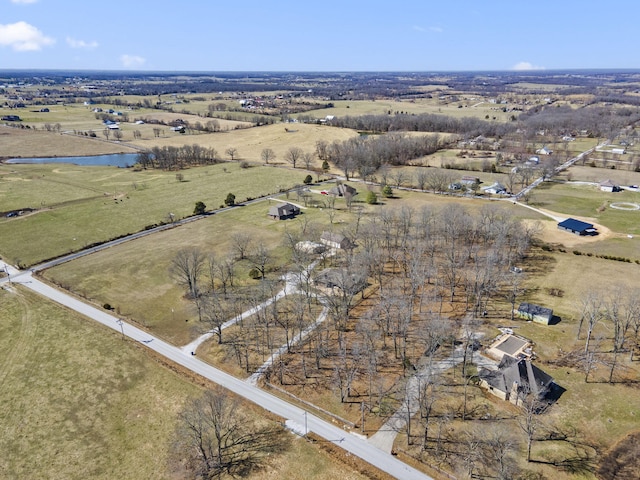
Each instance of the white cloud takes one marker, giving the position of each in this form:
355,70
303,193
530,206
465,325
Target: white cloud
23,2
23,37
526,66
130,61
436,29
418,28
73,43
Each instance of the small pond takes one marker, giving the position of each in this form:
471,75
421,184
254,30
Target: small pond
122,160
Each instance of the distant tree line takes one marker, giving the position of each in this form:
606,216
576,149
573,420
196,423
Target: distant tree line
176,158
558,119
468,126
366,154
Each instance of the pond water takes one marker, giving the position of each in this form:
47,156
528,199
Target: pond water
121,160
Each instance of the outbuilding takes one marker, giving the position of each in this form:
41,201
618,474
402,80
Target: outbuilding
577,227
536,313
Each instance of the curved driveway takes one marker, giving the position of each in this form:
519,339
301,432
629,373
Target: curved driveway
305,421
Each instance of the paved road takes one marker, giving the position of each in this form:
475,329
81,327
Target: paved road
304,421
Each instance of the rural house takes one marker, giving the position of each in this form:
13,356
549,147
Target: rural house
544,151
469,180
495,189
341,279
577,227
609,186
342,190
536,313
335,240
283,211
515,380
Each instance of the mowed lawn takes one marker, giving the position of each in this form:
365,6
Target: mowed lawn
116,202
79,402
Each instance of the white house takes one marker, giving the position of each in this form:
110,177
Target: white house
495,189
609,186
544,151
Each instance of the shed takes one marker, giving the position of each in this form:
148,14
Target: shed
531,311
577,227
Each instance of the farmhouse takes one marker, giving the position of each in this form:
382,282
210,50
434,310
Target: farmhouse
335,240
544,151
609,186
333,279
515,380
310,247
283,211
495,189
343,190
577,227
469,180
538,314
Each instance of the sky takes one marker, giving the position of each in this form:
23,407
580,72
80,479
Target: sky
323,35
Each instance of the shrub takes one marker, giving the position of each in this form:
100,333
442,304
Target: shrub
371,198
244,164
387,191
254,273
107,306
230,200
308,179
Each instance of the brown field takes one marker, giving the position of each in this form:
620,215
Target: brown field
251,141
18,142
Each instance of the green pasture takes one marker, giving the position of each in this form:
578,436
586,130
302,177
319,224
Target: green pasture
129,201
78,401
18,142
478,108
586,200
581,173
134,277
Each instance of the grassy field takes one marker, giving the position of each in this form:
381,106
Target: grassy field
108,202
17,142
590,202
134,277
78,402
477,107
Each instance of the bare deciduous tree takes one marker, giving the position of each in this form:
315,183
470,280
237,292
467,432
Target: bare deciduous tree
267,155
215,437
293,155
187,267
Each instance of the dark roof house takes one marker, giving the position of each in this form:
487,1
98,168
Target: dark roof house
343,189
538,314
335,240
577,226
283,211
515,380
